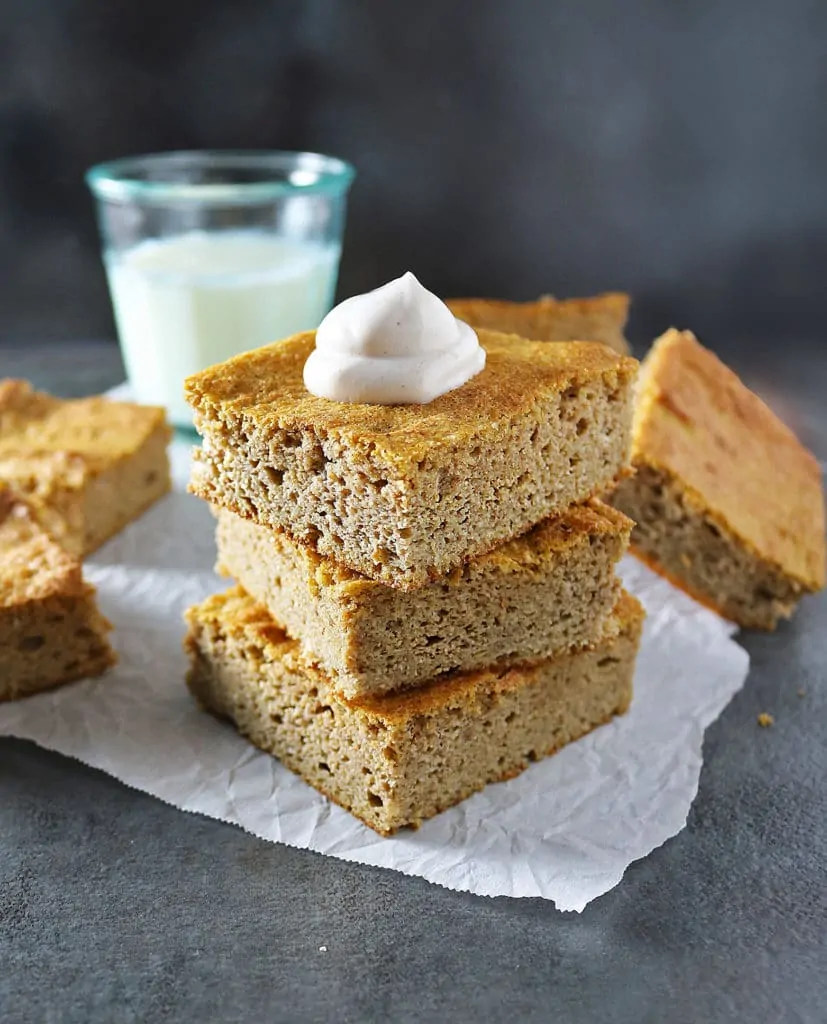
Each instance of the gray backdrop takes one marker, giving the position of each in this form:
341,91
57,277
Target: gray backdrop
508,147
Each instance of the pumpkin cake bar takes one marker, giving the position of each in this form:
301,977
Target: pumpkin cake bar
600,318
398,759
550,590
51,631
728,503
87,466
404,494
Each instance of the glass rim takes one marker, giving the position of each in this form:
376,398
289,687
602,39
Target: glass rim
313,174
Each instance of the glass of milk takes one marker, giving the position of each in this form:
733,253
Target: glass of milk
213,253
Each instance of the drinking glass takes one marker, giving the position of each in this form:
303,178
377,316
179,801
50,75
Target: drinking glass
211,253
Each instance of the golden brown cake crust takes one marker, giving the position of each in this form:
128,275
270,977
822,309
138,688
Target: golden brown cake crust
20,404
599,318
87,466
267,386
32,566
95,428
739,464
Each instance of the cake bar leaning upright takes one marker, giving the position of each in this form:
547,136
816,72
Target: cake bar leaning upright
600,318
728,503
398,759
51,631
405,493
87,466
549,590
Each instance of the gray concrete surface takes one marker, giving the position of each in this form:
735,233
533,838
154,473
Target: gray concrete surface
115,907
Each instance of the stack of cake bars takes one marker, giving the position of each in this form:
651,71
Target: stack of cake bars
425,596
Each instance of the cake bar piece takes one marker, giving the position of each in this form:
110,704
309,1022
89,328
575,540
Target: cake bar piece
397,760
550,590
728,504
601,318
51,631
87,466
405,493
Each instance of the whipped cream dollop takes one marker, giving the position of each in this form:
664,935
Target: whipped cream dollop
396,345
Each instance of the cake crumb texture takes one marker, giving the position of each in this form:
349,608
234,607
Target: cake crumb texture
550,590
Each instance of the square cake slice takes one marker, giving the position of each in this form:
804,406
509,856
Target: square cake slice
550,590
728,504
398,759
600,318
405,493
51,631
88,466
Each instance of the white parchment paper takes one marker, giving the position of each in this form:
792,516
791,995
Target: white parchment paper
565,830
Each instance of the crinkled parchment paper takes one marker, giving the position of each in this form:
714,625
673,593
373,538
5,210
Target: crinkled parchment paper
565,830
